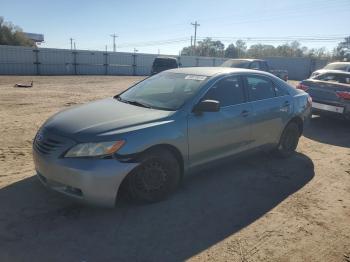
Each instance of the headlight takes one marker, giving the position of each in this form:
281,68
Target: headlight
95,149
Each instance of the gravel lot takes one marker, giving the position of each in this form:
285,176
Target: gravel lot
254,209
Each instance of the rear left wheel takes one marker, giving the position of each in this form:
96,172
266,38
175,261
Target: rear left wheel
289,140
155,178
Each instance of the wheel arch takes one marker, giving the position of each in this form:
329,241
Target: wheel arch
134,158
172,149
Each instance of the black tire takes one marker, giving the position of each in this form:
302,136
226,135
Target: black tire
155,178
289,140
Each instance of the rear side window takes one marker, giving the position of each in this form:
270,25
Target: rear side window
228,91
336,78
260,88
254,65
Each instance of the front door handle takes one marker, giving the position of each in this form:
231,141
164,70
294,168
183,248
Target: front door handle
245,113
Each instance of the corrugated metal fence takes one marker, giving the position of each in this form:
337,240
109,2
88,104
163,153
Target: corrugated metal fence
15,60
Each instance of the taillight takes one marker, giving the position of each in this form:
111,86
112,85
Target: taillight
343,94
302,87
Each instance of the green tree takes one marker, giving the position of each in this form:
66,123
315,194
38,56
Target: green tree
231,51
13,35
342,51
241,47
187,51
260,51
206,47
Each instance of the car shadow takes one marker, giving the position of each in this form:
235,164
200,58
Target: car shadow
329,130
40,225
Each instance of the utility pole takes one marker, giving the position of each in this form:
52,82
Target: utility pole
71,43
74,46
114,37
195,24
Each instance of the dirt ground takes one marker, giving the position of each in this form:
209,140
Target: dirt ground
254,209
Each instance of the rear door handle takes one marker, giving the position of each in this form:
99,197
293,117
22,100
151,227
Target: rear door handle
245,113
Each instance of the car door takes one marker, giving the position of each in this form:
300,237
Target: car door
272,108
213,135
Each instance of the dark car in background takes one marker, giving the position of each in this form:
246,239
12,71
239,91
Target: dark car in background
163,63
330,93
256,64
339,66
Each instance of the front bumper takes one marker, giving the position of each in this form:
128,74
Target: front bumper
95,181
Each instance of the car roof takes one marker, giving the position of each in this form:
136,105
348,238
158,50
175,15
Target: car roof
165,57
340,63
213,71
327,71
246,59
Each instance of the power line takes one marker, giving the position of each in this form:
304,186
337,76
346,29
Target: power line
153,43
308,38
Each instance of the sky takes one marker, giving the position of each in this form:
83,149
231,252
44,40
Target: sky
161,26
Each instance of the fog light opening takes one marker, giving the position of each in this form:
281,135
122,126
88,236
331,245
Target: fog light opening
73,190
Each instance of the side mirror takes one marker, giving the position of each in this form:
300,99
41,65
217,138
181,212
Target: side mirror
207,106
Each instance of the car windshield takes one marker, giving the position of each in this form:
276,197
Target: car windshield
336,66
236,63
165,91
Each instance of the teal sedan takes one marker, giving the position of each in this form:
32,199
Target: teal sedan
147,138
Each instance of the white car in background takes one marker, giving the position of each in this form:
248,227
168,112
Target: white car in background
338,66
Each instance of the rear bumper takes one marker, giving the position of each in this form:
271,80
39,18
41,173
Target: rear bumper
344,115
320,112
94,181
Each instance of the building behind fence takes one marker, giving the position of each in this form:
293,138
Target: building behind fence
16,60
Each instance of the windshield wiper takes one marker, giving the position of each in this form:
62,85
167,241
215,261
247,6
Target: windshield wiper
135,103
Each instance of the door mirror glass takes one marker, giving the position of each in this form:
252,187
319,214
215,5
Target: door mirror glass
207,106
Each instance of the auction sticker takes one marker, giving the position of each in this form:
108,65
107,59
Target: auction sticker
195,77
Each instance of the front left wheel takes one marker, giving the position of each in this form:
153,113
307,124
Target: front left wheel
155,178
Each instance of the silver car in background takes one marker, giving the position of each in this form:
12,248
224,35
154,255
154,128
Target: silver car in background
146,138
338,66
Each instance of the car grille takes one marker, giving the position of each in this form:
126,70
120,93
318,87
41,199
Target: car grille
46,145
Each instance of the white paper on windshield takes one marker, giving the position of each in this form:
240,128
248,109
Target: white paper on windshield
195,77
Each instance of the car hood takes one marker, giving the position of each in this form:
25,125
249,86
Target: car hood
108,117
